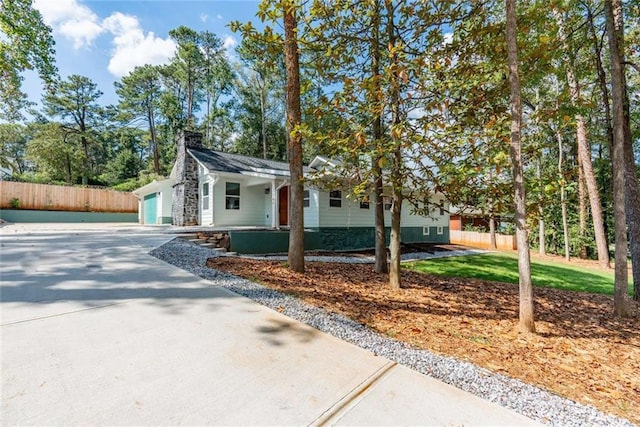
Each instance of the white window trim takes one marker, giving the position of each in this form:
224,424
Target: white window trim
335,198
207,197
440,230
307,198
387,201
425,230
226,196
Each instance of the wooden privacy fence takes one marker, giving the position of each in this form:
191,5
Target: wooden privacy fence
482,240
25,195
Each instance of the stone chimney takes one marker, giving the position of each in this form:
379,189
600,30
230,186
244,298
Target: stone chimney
184,211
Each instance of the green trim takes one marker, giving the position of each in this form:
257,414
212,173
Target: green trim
328,238
165,220
20,215
352,238
268,241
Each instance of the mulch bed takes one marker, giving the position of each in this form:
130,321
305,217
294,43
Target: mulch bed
579,351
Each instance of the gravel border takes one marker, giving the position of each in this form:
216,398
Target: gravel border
523,398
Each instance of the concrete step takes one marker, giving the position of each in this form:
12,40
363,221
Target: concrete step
187,236
213,247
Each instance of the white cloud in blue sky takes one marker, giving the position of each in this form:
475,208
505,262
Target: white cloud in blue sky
105,40
131,45
134,47
74,21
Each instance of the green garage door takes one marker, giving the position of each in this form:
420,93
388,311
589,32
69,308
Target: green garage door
150,209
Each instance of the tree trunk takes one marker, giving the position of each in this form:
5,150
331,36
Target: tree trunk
621,305
381,265
541,238
582,212
594,194
396,164
263,122
294,118
632,202
563,197
526,316
632,194
85,161
492,231
632,190
69,170
207,125
154,141
584,152
395,237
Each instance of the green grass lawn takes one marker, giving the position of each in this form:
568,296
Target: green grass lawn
500,267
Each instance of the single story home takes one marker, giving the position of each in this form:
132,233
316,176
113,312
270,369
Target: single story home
230,192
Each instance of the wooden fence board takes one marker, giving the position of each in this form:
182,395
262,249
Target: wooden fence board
60,198
482,240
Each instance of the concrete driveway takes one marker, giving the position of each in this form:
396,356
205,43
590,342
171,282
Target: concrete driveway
95,331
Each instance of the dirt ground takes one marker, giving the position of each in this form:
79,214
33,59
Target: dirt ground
579,351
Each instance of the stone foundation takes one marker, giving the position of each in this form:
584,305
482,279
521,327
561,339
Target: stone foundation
217,238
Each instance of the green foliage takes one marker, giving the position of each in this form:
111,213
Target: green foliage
504,268
476,228
26,43
13,143
123,167
259,110
75,102
15,203
56,155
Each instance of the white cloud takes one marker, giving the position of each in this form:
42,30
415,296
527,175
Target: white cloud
73,20
133,47
204,17
219,16
229,42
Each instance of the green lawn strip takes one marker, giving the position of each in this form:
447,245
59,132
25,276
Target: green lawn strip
498,267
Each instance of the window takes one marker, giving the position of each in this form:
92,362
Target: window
232,193
364,202
305,198
335,199
205,196
425,230
440,230
441,207
387,203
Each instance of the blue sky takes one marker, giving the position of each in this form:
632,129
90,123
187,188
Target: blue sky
105,39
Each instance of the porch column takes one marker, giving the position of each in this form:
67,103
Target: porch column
274,200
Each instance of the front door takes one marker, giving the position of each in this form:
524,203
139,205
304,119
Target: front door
283,206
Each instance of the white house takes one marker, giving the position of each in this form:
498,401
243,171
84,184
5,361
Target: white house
223,190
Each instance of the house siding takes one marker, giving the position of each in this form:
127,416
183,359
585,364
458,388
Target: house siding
351,215
252,210
164,216
311,214
350,227
206,215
